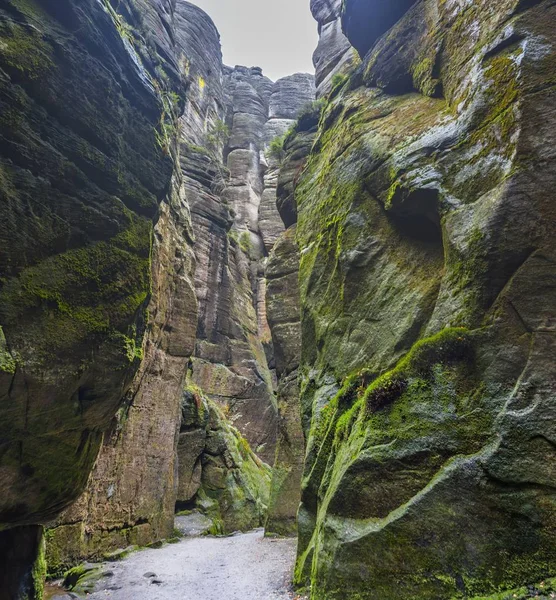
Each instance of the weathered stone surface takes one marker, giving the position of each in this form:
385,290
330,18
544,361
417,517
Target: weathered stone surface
296,151
290,95
111,514
86,161
284,320
227,481
23,568
283,302
75,278
427,393
230,363
334,54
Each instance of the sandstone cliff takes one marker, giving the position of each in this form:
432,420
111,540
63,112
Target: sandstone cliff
131,494
334,54
202,272
89,101
283,310
427,284
151,459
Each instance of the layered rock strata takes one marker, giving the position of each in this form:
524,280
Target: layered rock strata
283,312
334,54
427,284
233,361
131,494
230,364
290,97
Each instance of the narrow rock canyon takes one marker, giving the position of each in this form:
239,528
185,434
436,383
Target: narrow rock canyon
322,307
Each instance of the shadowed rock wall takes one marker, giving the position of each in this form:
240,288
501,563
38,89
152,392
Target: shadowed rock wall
88,101
133,490
234,362
221,324
283,309
427,283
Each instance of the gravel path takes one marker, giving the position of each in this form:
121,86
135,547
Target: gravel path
241,567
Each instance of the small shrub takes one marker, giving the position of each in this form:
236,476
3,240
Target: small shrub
338,80
276,148
218,136
245,242
312,110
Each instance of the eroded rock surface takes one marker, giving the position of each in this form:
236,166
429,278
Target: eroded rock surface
139,453
218,471
215,202
283,310
230,364
364,21
428,286
88,107
334,53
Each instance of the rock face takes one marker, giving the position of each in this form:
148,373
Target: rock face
334,54
233,362
218,469
283,313
132,493
230,364
111,514
284,319
290,97
364,21
428,286
88,112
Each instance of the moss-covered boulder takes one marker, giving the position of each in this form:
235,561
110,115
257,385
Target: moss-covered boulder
217,470
427,283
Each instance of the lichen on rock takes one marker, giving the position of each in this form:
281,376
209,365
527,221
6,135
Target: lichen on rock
419,214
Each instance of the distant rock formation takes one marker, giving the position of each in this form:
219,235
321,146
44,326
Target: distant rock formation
334,54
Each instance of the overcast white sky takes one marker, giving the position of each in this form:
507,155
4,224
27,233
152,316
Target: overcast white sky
277,35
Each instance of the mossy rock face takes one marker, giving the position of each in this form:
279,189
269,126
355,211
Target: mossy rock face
82,173
283,318
427,285
235,483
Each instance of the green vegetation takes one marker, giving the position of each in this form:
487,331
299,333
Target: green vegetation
311,111
545,590
24,50
167,131
97,289
123,27
276,148
7,361
217,136
338,81
246,243
447,347
39,571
